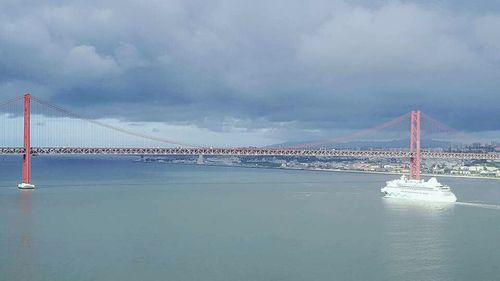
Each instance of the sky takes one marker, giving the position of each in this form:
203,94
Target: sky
234,72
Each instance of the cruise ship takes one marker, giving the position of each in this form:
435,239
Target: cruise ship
413,189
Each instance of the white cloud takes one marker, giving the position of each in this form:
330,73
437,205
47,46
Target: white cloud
392,38
488,35
83,61
127,56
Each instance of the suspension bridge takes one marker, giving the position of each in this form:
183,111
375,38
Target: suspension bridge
57,122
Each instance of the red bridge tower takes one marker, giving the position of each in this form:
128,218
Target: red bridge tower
26,183
415,145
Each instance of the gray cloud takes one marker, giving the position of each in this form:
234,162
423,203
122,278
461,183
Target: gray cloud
277,67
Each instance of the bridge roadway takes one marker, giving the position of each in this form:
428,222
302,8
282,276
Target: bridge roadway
247,152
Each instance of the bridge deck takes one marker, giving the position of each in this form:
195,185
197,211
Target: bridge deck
247,152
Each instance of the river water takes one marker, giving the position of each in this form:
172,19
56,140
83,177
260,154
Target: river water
113,219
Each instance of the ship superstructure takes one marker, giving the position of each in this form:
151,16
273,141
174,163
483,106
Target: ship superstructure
431,190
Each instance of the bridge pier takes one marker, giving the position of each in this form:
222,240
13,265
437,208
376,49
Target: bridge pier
200,160
26,181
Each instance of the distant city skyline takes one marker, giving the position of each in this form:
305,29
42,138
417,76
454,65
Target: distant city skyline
260,72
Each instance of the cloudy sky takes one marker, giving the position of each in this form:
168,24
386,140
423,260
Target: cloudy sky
238,72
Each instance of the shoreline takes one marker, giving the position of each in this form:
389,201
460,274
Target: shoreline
395,173
329,170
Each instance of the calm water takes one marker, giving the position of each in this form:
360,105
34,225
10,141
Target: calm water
112,219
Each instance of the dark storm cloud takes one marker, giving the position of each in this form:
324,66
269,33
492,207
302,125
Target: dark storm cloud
288,65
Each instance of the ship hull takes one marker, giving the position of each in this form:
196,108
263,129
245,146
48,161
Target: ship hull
419,194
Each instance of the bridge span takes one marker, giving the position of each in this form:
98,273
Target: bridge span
179,151
58,146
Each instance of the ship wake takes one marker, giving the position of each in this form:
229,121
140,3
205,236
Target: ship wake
479,205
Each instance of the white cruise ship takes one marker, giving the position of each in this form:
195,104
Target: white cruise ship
431,190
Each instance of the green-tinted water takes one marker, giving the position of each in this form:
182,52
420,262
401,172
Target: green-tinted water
112,219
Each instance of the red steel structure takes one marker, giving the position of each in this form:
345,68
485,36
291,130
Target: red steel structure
415,158
414,153
27,140
185,151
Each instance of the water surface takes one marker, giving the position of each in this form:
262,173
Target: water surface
113,219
